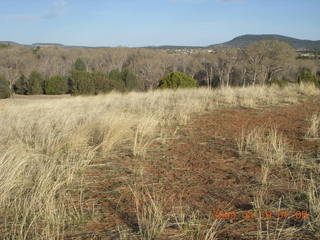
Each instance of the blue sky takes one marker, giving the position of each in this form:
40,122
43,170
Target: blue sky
154,22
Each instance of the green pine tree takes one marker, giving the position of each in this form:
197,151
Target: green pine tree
131,80
177,80
56,85
104,84
79,65
35,83
82,83
115,75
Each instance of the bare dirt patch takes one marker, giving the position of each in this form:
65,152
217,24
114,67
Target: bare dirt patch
200,170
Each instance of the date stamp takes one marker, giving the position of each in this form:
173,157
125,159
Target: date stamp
263,214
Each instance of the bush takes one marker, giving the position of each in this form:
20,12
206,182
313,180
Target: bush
4,88
127,79
177,80
104,85
21,86
82,83
131,80
56,85
305,75
280,82
116,75
34,83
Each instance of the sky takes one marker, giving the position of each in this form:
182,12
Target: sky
136,23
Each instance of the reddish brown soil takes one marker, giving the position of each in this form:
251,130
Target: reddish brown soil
200,170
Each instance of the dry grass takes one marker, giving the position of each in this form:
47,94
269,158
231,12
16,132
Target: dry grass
270,145
192,227
150,213
314,129
271,229
44,146
314,205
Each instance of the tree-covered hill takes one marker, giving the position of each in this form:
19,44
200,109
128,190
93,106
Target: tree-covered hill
245,40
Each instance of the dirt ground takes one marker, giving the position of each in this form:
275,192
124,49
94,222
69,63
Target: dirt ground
199,169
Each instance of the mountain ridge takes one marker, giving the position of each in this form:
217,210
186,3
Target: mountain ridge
244,40
237,42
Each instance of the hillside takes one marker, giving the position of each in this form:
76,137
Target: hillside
244,40
237,42
9,43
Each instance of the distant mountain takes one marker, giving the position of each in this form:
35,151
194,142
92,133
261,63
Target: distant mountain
168,47
43,45
238,42
9,43
47,44
244,40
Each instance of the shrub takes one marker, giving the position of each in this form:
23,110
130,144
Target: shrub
305,75
131,80
177,80
2,45
115,75
82,83
34,83
56,85
280,82
4,88
21,86
127,79
103,84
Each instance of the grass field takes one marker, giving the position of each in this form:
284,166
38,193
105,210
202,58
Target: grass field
89,167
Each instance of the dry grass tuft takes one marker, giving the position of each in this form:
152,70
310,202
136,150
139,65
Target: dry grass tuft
270,145
270,228
314,129
152,220
192,227
314,205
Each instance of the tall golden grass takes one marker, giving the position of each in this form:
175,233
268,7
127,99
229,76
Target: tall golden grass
44,145
314,128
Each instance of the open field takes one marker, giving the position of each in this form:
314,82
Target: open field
156,165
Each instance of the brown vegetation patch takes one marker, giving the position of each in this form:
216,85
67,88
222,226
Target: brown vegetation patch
200,170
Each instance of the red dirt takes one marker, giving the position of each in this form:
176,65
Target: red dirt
200,170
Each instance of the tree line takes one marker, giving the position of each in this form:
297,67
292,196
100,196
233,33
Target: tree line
56,70
78,81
